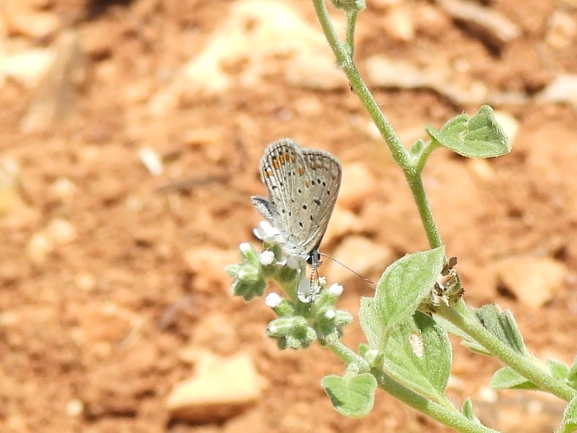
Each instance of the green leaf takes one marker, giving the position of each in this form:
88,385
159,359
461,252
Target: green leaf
405,284
352,395
417,147
572,376
467,410
569,424
558,370
479,136
418,354
506,378
467,341
371,324
503,326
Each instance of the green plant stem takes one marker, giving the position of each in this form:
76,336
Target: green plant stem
399,153
420,196
350,38
424,155
448,417
438,412
348,356
525,366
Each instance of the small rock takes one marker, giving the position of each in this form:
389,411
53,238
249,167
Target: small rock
511,410
85,281
342,222
561,29
481,169
63,188
357,186
399,23
533,280
39,248
219,389
251,45
509,124
43,243
361,255
208,264
562,89
74,408
104,322
27,67
216,332
61,232
21,18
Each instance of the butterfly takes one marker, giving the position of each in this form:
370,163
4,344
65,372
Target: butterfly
303,185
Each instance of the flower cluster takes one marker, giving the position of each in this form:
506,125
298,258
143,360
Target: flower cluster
308,311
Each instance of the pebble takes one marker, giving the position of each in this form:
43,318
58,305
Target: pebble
219,389
361,255
357,186
400,24
21,18
216,332
534,281
104,322
27,67
43,243
561,29
250,46
562,89
208,264
61,231
343,222
509,124
481,169
512,410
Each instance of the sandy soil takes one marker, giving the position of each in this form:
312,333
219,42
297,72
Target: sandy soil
105,279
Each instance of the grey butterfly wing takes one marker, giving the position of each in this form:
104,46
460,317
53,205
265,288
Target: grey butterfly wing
324,176
281,170
303,185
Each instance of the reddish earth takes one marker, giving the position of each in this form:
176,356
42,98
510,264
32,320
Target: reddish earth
105,281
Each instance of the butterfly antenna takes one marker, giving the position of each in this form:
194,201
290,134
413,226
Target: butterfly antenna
346,267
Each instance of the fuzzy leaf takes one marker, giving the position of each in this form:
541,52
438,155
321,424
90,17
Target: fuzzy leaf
351,395
405,284
506,378
418,354
479,136
569,424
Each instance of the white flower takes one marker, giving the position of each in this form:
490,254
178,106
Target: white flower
294,262
306,292
273,300
244,247
266,232
266,258
335,290
330,314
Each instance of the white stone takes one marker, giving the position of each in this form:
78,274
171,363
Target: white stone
357,186
260,38
533,280
219,389
361,255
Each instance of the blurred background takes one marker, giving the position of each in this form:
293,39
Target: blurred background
130,134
